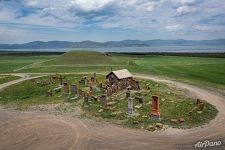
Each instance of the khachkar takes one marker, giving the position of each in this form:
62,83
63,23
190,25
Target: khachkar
155,114
130,106
66,88
73,89
130,102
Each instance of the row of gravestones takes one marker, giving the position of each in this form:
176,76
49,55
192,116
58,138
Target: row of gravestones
86,81
155,113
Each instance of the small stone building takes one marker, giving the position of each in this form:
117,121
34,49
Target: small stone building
119,76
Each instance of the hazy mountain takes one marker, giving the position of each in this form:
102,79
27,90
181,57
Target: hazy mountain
125,43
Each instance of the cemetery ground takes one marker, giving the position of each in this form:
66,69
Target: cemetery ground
174,105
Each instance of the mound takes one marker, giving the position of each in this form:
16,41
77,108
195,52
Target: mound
85,58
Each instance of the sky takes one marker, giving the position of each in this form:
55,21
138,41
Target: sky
110,20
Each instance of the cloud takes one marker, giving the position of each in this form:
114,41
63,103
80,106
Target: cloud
12,35
182,10
173,28
142,16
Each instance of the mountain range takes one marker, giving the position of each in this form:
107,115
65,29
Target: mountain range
124,43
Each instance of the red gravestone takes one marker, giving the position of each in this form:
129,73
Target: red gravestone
66,87
155,114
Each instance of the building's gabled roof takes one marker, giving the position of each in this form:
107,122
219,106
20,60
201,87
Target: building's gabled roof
121,74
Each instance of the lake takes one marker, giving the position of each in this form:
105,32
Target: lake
198,49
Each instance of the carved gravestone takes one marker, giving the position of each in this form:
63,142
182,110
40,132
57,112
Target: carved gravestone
91,90
66,87
114,88
86,97
95,76
155,114
100,85
92,79
109,91
138,86
200,104
82,82
128,92
81,93
73,89
130,106
103,100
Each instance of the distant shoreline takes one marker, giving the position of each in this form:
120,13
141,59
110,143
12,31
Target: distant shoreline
188,54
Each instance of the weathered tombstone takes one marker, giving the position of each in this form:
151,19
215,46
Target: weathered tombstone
86,97
155,114
92,79
128,92
130,106
82,82
100,85
91,91
199,101
74,89
200,104
114,88
103,100
91,88
138,86
81,93
95,75
66,87
109,91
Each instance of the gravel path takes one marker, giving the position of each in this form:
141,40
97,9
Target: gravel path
41,130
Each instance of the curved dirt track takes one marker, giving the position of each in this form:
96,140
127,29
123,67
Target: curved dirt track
40,130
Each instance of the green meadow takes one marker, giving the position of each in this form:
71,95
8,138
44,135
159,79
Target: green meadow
7,78
202,71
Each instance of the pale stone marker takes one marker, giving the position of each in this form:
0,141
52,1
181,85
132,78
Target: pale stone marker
130,106
109,91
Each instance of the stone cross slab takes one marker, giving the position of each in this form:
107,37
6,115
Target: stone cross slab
130,106
66,87
155,114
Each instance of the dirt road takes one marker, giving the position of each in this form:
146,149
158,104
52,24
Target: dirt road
40,130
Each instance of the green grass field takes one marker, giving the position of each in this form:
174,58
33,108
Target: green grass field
10,63
195,70
173,104
6,78
201,71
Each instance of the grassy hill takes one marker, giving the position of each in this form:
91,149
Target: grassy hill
86,58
